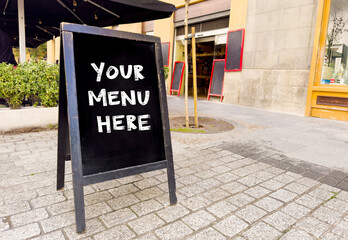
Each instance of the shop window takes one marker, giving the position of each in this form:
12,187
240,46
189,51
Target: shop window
335,69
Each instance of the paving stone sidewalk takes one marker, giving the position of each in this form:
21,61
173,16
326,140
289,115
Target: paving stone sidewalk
222,194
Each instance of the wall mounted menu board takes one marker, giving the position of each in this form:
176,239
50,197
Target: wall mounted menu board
178,73
115,110
165,53
234,50
217,79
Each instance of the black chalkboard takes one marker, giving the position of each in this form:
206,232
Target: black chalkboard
113,108
234,50
165,53
178,73
217,79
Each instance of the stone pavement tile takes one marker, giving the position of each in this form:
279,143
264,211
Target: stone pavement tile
343,196
206,174
207,234
337,204
162,177
57,235
341,229
242,172
297,234
338,174
284,178
251,213
164,199
231,226
327,215
331,236
24,232
147,182
190,190
122,202
296,188
57,222
261,231
61,207
93,226
249,181
182,172
343,185
313,175
176,230
313,226
97,197
195,203
145,207
272,184
190,179
220,169
14,208
216,163
329,188
222,208
208,183
119,232
332,181
257,191
149,236
148,193
28,217
97,210
130,179
321,169
275,170
295,210
22,196
280,220
216,194
226,177
309,201
123,190
153,173
235,164
146,223
240,199
199,220
234,187
264,175
4,224
269,204
297,169
172,213
117,217
284,195
69,194
106,185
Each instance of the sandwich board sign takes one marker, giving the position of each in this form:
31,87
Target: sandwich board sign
113,114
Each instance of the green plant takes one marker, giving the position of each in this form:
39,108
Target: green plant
34,81
166,72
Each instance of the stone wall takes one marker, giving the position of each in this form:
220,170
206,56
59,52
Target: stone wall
277,55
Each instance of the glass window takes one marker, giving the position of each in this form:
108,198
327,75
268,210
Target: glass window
335,69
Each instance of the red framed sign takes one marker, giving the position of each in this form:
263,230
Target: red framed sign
234,50
216,85
177,76
165,53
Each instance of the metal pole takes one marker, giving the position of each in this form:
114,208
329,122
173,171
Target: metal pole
21,30
186,64
193,32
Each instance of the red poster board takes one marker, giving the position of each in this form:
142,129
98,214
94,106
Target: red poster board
216,85
178,73
234,50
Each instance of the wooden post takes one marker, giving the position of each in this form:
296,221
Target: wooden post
186,64
193,32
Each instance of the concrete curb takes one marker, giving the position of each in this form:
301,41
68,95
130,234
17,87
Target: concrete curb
27,117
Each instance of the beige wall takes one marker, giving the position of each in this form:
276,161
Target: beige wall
276,59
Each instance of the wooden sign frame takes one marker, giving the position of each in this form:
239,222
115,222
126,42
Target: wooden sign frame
182,75
211,80
168,54
241,49
69,142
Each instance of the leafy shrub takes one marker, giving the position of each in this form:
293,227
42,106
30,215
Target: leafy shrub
36,82
166,72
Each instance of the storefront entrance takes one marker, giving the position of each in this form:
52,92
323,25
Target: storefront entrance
328,85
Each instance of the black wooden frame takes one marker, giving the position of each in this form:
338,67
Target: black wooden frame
69,144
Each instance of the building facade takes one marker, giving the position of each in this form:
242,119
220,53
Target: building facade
294,57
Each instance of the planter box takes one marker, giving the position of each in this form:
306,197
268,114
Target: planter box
27,117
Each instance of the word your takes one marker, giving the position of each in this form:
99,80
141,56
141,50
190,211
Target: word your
112,71
118,123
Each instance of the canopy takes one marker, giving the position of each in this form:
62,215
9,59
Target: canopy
43,17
